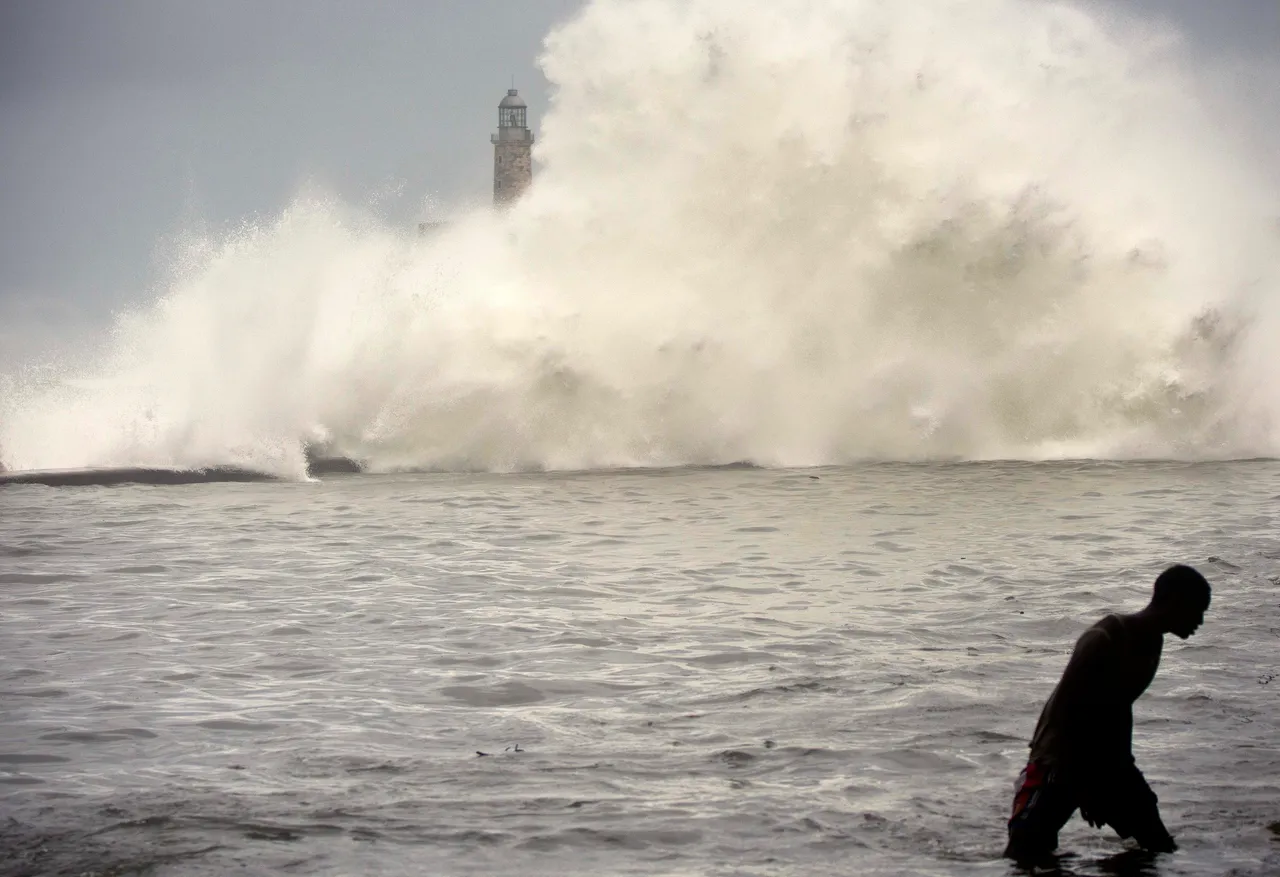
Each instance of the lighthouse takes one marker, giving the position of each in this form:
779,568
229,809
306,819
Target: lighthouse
512,150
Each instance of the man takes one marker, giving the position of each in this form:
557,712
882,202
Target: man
1080,752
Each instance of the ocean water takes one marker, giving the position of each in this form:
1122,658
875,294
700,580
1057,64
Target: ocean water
669,672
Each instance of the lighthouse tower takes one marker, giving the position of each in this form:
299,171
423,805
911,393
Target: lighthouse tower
512,150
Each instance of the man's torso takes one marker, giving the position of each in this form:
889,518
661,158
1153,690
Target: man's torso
1087,723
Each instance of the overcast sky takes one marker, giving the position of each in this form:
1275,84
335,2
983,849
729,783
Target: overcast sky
120,120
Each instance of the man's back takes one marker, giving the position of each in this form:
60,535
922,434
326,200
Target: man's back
1087,723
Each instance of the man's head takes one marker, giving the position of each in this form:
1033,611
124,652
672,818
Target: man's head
1180,599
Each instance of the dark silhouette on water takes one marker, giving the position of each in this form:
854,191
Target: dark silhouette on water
323,461
131,475
1081,751
318,463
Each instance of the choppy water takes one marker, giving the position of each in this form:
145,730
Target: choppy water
729,671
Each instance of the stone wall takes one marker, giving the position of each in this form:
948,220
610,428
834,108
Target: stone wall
512,169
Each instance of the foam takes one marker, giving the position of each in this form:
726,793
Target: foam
791,234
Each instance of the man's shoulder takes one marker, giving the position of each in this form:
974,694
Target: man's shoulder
1105,631
1111,625
1105,627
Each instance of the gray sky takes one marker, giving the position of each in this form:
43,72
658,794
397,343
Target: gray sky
122,120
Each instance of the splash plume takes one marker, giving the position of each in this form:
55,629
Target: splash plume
805,234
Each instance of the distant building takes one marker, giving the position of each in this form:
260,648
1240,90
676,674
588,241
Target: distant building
512,150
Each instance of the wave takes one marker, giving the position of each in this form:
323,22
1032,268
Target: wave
806,234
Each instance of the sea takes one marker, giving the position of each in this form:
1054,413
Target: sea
684,671
729,504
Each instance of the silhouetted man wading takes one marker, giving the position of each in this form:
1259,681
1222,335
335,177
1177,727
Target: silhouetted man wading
1080,752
